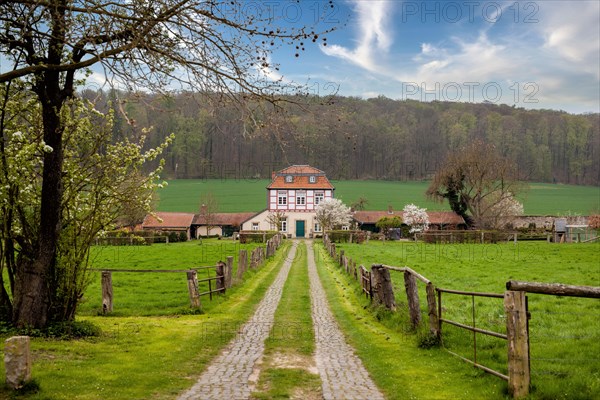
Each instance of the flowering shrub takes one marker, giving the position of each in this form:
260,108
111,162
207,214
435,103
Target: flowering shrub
416,218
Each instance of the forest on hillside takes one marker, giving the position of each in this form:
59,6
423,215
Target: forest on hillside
352,138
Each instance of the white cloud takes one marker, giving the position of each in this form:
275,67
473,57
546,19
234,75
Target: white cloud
375,35
571,30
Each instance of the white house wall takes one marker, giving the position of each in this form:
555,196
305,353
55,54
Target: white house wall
290,195
292,216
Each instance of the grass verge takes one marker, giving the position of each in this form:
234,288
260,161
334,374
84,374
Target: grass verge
288,368
144,357
398,367
564,331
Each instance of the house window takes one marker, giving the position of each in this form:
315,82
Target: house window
319,196
282,197
300,197
255,226
346,227
284,225
317,227
312,179
289,179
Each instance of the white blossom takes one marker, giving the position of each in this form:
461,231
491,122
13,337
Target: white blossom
416,218
332,213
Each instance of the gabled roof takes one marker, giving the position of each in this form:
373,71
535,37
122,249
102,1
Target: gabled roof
169,220
223,219
435,217
300,178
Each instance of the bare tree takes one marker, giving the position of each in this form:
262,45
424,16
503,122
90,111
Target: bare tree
275,218
208,46
209,206
475,180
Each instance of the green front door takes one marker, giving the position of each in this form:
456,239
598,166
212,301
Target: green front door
300,229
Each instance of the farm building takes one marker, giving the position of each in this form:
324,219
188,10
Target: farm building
295,191
169,222
438,220
221,224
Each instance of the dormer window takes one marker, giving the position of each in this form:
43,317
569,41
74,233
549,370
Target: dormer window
312,179
289,179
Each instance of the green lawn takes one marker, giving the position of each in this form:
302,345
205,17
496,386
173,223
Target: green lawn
138,294
145,357
564,331
250,195
390,353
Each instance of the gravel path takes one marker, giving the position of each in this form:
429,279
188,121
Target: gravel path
342,373
227,376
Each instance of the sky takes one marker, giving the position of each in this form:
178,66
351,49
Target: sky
541,54
531,54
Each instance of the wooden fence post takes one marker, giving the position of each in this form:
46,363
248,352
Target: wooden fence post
220,271
242,264
341,258
365,281
515,307
107,292
192,280
381,284
228,271
412,294
434,322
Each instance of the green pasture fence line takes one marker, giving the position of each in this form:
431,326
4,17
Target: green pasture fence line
192,283
376,284
223,274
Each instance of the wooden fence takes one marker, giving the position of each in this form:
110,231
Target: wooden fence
223,278
377,285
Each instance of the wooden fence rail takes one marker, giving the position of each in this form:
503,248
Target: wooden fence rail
376,284
223,278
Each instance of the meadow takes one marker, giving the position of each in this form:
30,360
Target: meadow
153,345
247,195
138,294
564,334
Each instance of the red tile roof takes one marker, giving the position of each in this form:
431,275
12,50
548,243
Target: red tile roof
222,219
300,169
169,220
300,178
435,217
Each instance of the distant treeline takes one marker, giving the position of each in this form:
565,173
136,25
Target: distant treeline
352,138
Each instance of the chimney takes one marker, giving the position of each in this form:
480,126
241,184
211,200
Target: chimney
390,210
272,175
203,209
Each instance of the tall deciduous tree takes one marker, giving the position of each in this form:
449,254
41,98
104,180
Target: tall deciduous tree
212,46
476,180
101,183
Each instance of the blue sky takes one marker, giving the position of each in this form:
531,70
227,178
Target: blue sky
533,54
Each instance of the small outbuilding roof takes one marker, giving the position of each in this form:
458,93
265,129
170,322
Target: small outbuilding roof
168,220
223,219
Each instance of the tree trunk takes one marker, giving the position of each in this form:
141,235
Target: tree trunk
35,280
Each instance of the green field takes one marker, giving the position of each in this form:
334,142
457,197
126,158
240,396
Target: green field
564,334
137,294
250,195
154,356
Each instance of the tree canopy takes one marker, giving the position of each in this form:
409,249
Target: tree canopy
48,48
478,182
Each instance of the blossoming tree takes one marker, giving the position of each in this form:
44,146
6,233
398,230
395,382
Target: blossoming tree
416,218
